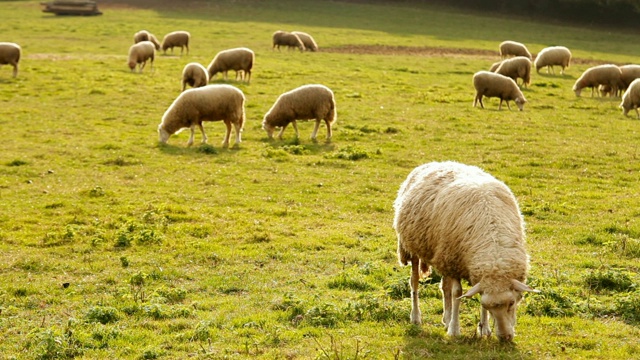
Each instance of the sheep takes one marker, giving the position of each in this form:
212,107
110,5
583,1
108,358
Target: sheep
554,55
495,66
607,74
628,73
465,224
144,35
284,38
207,103
307,40
239,59
631,98
195,75
495,85
303,103
139,54
10,55
508,48
516,67
176,38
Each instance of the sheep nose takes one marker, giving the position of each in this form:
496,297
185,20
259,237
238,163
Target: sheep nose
507,337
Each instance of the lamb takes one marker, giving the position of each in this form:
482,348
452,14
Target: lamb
176,38
303,103
465,224
10,55
139,54
508,48
195,75
207,103
307,40
554,55
144,35
517,67
607,74
284,38
239,59
631,98
495,85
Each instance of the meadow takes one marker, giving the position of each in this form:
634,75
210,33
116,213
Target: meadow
113,246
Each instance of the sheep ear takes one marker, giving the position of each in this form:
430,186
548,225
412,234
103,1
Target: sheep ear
517,285
474,290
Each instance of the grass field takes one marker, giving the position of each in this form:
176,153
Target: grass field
114,246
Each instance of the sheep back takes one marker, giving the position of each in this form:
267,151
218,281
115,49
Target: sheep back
306,102
176,38
512,48
491,84
462,221
194,75
552,56
141,52
308,41
207,103
631,98
285,38
516,67
237,59
10,54
606,74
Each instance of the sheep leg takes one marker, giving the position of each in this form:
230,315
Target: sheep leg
282,131
225,142
416,316
454,294
638,113
508,107
329,134
484,329
314,134
445,288
15,70
500,105
478,99
295,127
238,134
193,131
204,136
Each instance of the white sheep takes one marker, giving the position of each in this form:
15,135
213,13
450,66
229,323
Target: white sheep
139,54
631,98
176,38
10,55
207,103
607,74
628,73
144,35
285,38
303,103
465,224
516,67
551,56
239,59
491,84
308,41
194,75
512,48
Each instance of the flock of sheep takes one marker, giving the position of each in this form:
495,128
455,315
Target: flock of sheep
501,79
456,218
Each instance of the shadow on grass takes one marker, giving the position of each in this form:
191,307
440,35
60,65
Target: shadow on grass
199,149
432,342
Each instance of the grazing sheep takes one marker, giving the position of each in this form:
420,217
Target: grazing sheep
139,54
599,75
554,55
195,75
304,103
239,59
631,98
10,55
307,40
495,85
465,224
517,67
512,48
176,38
284,38
144,35
207,103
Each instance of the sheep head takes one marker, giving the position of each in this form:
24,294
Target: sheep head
163,135
520,101
502,303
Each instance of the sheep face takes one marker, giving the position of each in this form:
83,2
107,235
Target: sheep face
520,101
268,128
163,135
502,307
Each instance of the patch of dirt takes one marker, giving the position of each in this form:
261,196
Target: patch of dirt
410,50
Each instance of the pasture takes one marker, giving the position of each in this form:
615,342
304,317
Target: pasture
115,246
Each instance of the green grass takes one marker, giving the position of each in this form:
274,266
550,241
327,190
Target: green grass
113,246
